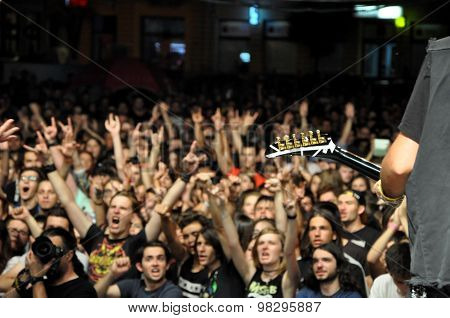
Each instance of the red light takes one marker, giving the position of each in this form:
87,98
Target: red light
78,3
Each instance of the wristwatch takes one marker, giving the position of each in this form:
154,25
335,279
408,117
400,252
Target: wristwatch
34,280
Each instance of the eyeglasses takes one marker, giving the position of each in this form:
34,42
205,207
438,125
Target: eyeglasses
19,232
29,178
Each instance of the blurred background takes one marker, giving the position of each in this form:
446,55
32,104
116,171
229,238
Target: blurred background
171,40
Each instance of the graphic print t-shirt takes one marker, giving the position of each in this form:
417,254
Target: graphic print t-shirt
261,289
102,250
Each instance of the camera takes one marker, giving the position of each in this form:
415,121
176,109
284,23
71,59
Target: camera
45,250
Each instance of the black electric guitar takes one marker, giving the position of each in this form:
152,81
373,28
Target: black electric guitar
321,146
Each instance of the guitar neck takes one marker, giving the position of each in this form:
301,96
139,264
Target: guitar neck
355,162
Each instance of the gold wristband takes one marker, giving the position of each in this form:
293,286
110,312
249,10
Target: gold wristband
389,199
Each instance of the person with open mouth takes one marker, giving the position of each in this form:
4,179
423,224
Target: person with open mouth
154,262
28,184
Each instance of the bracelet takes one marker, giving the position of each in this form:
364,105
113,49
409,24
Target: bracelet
185,177
34,280
389,199
292,217
49,168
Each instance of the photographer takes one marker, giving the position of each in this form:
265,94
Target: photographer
52,269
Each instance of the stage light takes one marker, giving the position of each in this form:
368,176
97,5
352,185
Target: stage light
378,12
253,15
400,22
362,11
245,57
392,12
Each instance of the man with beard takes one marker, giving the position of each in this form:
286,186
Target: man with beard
18,235
56,217
154,261
331,277
352,210
61,277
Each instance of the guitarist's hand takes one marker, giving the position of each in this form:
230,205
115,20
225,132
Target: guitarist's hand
393,202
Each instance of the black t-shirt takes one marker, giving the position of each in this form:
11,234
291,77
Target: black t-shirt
76,288
261,289
102,251
367,234
191,283
356,250
135,288
426,121
225,282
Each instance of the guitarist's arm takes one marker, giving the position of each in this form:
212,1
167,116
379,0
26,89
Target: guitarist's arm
397,166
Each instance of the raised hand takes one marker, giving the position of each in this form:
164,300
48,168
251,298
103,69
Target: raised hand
191,162
162,210
164,107
68,131
35,108
197,116
69,148
158,138
51,131
112,124
120,266
37,269
349,110
155,114
20,213
7,130
303,109
235,120
218,120
285,172
289,207
273,185
249,119
41,148
136,133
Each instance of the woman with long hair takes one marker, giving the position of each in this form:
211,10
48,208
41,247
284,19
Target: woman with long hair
223,279
273,272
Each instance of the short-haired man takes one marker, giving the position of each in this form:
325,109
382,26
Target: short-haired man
55,218
18,236
62,276
328,193
46,196
154,261
394,283
28,184
331,279
346,174
352,209
265,208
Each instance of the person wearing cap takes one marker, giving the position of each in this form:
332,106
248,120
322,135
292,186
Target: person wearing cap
352,210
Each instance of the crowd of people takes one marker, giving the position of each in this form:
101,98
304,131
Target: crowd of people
135,198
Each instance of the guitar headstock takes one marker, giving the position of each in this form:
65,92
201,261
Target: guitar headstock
304,144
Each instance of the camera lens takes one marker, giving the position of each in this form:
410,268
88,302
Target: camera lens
44,249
